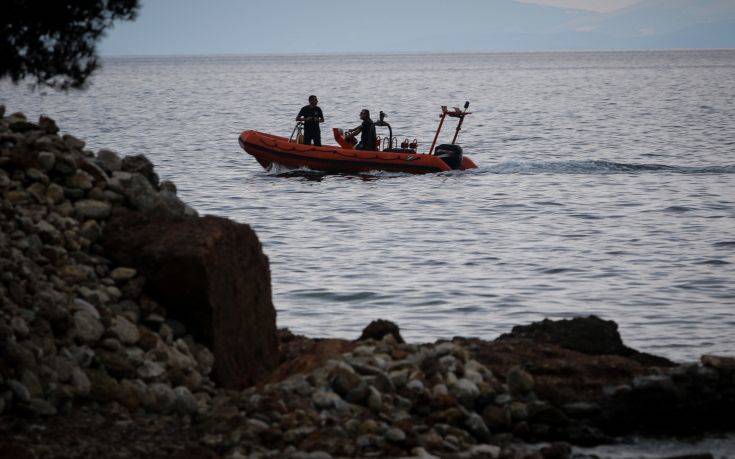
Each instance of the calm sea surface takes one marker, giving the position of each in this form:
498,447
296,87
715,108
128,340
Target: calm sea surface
606,185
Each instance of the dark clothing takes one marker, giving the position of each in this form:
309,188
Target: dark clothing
367,136
313,136
311,128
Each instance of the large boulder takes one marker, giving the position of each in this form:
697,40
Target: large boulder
377,329
589,335
211,274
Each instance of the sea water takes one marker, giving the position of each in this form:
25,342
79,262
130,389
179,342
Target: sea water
606,185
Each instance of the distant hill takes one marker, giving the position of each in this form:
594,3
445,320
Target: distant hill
648,24
285,26
660,24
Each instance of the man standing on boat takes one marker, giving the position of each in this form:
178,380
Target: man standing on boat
311,115
367,131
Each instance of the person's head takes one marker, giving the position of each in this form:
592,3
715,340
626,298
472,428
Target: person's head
365,114
313,101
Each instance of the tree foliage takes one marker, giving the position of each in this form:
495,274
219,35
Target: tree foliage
54,42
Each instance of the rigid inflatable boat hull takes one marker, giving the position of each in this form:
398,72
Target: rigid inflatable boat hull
268,149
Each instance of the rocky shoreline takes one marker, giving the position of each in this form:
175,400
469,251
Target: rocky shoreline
132,327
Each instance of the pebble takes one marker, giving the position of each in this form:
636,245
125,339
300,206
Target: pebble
518,411
41,407
503,399
19,326
90,230
165,397
31,382
109,160
46,160
415,385
37,175
324,400
123,274
150,370
443,349
484,450
19,390
81,180
581,409
375,400
395,435
369,426
185,402
399,378
421,453
55,193
82,305
294,435
440,390
91,208
465,390
366,441
343,380
124,330
112,344
83,355
473,376
519,381
17,197
87,327
74,274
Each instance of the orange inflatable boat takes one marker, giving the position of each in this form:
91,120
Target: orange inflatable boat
270,149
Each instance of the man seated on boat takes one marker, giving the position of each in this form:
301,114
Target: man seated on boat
311,115
366,131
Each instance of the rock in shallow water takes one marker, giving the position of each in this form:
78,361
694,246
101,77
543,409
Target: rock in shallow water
377,329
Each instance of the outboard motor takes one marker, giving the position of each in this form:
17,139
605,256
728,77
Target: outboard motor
450,154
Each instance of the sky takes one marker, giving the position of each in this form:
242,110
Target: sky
592,5
201,27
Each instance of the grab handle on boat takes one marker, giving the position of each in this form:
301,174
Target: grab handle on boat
300,128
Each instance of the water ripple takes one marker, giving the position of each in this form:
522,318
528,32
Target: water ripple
605,185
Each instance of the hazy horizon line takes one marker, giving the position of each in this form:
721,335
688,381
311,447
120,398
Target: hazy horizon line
398,53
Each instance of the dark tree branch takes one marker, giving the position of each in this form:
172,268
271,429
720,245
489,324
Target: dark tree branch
54,43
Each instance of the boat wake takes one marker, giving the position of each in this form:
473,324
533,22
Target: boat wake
592,167
278,170
596,167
